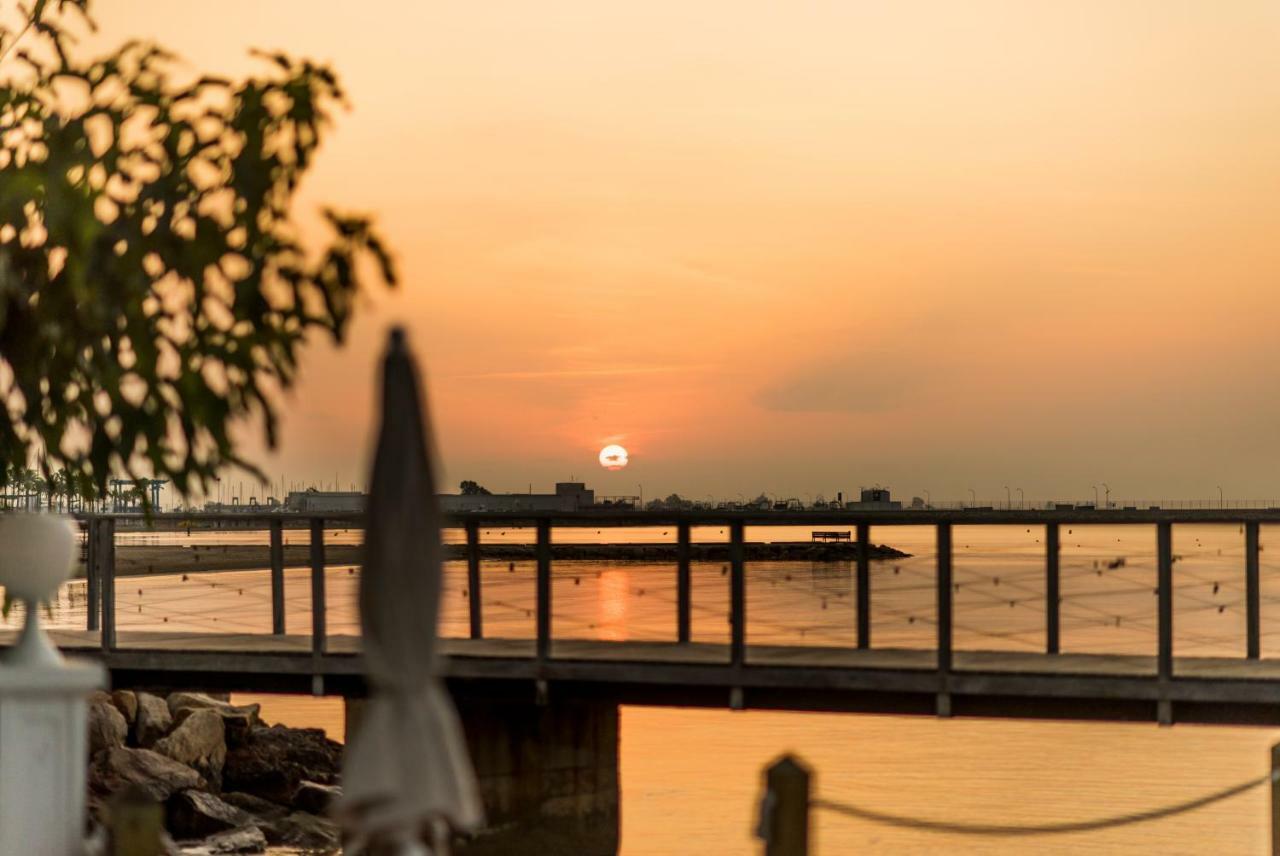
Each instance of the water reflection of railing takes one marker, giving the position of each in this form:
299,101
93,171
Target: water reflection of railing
102,530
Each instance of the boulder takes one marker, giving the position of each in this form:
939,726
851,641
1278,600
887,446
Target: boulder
127,703
160,777
153,722
196,814
314,797
200,742
247,840
272,761
256,806
304,832
107,727
237,719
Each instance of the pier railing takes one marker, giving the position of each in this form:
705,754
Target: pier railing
101,532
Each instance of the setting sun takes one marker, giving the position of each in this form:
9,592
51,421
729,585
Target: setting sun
613,457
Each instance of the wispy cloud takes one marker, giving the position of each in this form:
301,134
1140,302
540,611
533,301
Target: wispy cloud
576,373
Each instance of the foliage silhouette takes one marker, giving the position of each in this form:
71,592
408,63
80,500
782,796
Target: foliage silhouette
154,288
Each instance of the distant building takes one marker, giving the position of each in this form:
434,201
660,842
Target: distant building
874,498
569,496
312,501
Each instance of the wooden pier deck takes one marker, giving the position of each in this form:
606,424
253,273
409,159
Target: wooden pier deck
890,680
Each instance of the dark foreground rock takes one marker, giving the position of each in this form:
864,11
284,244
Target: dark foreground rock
107,727
226,782
200,743
197,814
273,761
256,806
314,797
237,720
154,719
160,777
126,701
247,840
304,831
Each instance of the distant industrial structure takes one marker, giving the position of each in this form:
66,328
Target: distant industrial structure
312,501
569,496
874,498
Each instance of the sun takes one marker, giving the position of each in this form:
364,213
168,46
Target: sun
613,457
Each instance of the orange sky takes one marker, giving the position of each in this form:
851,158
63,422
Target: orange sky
802,247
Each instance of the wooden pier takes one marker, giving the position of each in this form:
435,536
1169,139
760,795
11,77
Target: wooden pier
937,681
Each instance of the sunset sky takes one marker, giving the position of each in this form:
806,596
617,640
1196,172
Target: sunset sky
801,247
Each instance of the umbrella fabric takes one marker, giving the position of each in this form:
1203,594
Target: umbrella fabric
407,766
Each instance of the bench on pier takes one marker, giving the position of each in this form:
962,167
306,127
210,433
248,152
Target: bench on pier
831,535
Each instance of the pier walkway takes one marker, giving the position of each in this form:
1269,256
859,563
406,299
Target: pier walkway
936,681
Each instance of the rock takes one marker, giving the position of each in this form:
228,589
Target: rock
158,776
153,722
127,703
256,806
247,840
314,797
200,742
196,814
107,727
99,697
273,761
303,831
237,719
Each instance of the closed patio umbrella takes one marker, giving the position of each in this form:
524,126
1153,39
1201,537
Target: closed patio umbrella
407,770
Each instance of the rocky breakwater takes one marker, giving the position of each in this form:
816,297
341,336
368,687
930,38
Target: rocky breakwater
228,782
752,551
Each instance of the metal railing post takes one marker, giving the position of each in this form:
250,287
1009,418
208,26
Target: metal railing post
92,574
543,593
277,577
1052,589
684,600
864,585
473,579
737,595
1253,592
107,568
1164,591
319,638
944,619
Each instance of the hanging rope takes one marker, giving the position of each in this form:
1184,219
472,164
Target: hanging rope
996,829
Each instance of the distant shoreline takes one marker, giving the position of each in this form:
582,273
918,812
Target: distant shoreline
133,560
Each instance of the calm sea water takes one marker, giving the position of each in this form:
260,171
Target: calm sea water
690,778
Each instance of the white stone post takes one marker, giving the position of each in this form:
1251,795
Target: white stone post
43,707
43,756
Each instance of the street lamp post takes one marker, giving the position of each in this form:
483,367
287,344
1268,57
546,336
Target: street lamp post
1022,498
1107,495
973,495
1008,498
1220,503
1095,496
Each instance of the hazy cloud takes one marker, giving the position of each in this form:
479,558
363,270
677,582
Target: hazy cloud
864,382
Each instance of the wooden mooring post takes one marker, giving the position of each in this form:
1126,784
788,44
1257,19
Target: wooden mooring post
784,811
1275,800
136,824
